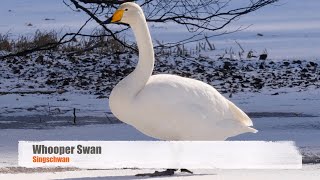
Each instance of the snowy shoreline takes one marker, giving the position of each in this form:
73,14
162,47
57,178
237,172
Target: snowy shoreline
97,74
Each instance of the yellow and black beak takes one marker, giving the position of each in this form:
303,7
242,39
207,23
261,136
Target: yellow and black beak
116,17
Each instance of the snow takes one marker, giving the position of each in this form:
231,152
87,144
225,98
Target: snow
286,33
289,31
310,172
288,100
17,14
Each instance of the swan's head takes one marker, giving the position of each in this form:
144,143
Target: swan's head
127,13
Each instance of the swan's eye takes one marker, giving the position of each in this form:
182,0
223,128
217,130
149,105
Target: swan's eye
126,9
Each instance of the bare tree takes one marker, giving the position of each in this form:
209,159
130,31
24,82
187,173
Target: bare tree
197,16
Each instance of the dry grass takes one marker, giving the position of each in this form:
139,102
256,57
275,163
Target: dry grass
5,44
43,38
40,38
98,43
23,42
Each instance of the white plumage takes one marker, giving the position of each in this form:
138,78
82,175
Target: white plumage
170,107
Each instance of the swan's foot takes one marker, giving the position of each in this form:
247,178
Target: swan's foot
186,170
168,172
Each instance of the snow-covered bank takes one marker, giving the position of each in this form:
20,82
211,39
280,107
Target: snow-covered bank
98,74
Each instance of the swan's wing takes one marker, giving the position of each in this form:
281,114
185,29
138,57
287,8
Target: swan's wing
179,110
193,106
183,94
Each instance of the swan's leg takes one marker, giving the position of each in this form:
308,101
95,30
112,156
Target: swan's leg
168,172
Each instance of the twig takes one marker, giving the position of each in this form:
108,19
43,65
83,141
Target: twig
242,50
210,46
108,118
74,116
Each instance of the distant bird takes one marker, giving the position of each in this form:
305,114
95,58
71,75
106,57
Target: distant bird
170,107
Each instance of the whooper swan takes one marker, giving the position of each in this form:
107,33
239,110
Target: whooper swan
170,107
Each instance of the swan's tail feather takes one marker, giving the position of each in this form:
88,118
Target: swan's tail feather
239,114
252,130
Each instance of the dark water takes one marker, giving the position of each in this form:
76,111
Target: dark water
278,114
47,122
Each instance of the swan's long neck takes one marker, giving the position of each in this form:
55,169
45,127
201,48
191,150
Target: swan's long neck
140,76
145,65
